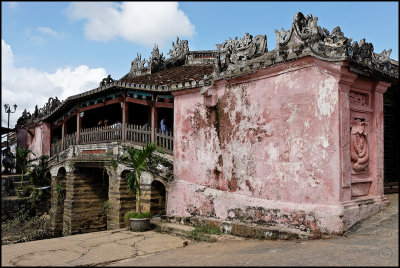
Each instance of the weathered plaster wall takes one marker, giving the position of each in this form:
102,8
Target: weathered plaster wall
40,142
270,141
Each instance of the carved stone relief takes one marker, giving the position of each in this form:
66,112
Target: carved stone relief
359,146
359,99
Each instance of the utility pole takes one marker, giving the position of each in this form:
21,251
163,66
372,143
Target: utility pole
7,107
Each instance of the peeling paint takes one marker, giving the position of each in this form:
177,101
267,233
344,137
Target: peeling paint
272,143
327,97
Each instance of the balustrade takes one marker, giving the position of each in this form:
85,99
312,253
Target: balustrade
135,134
56,147
100,134
138,134
165,140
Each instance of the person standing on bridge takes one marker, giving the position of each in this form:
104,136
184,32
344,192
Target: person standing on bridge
163,125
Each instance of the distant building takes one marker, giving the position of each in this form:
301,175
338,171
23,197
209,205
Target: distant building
290,138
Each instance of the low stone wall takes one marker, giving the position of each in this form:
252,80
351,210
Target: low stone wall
8,184
13,206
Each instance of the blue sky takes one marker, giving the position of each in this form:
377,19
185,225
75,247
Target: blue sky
62,48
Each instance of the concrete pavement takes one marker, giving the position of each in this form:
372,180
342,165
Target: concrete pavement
372,242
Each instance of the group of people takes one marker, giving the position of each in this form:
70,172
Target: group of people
117,124
104,123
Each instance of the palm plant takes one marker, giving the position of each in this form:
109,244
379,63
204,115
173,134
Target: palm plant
38,172
22,161
138,161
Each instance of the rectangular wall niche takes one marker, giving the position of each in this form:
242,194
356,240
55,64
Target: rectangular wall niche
360,129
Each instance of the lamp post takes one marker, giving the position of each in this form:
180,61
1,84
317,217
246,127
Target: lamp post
7,107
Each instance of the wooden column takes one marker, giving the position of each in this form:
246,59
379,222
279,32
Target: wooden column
78,126
63,131
154,118
125,116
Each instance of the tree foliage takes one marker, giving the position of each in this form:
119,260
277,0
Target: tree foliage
138,161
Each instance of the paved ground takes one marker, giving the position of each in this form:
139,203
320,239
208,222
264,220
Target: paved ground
374,242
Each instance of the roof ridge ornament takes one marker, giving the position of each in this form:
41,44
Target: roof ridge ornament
137,66
51,105
235,53
179,50
106,81
306,37
156,61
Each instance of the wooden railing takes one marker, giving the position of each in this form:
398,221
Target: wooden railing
56,147
165,140
100,134
138,134
135,134
70,139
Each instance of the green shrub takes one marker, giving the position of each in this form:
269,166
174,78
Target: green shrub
201,233
38,172
24,190
61,193
133,214
107,206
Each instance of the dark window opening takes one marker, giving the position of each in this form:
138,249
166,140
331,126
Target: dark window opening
139,114
112,113
168,115
56,134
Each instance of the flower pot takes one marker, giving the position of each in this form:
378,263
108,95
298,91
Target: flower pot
139,225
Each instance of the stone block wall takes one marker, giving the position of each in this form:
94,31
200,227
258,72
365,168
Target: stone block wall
13,206
8,184
57,204
83,207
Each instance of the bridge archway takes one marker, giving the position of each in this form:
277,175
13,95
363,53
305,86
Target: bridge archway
158,198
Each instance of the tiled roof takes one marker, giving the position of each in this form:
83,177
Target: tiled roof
181,74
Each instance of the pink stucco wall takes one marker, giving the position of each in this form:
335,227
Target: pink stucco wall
265,148
40,142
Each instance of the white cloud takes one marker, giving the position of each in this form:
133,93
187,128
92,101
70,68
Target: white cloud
28,87
48,30
39,35
138,22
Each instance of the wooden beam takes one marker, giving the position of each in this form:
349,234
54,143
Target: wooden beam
70,116
58,124
94,106
164,105
142,102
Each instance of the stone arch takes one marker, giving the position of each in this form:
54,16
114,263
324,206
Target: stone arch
123,173
62,172
85,207
158,197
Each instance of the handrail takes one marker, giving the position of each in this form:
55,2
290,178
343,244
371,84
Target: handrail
135,134
138,134
165,140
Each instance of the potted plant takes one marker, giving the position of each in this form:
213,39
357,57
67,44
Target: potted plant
138,161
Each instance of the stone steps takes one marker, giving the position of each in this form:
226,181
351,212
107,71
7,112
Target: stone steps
10,182
182,225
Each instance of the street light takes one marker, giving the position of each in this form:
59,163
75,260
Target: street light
7,107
